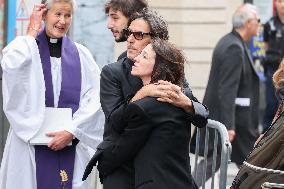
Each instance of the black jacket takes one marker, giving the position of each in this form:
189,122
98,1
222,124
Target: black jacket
156,139
117,86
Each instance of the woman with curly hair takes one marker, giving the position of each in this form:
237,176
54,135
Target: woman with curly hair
157,134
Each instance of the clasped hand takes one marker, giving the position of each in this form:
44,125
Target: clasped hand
60,140
165,92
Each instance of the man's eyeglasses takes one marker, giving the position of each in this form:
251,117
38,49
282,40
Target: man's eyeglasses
137,35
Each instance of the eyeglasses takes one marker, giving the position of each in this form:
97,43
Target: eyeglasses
137,35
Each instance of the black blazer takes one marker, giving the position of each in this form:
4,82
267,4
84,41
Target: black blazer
156,137
116,87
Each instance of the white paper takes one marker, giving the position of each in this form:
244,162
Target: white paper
242,102
55,119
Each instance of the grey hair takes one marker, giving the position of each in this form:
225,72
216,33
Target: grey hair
49,3
158,26
243,14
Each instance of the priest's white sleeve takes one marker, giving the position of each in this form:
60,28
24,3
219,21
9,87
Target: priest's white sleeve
88,120
23,87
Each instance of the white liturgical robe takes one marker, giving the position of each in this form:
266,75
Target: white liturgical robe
24,105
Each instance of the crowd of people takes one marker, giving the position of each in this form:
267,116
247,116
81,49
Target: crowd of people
131,120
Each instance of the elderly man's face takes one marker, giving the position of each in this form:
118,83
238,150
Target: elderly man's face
135,46
254,24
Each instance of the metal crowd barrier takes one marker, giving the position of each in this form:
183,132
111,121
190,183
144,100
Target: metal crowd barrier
225,153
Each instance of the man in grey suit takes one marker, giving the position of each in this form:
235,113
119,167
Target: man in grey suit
232,93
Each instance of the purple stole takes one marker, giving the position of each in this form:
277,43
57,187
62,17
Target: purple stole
54,170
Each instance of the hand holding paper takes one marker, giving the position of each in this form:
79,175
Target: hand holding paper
60,140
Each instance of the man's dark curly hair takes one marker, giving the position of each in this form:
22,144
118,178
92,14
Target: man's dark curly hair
169,62
127,7
158,27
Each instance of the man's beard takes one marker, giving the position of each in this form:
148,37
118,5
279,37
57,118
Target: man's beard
122,37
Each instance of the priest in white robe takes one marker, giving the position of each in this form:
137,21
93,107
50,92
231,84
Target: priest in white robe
46,69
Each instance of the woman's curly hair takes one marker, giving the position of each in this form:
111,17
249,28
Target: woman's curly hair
169,62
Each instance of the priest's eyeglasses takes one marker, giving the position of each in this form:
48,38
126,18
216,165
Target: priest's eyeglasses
137,35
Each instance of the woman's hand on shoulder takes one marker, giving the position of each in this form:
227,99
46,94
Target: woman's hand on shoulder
151,90
162,89
165,92
173,94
